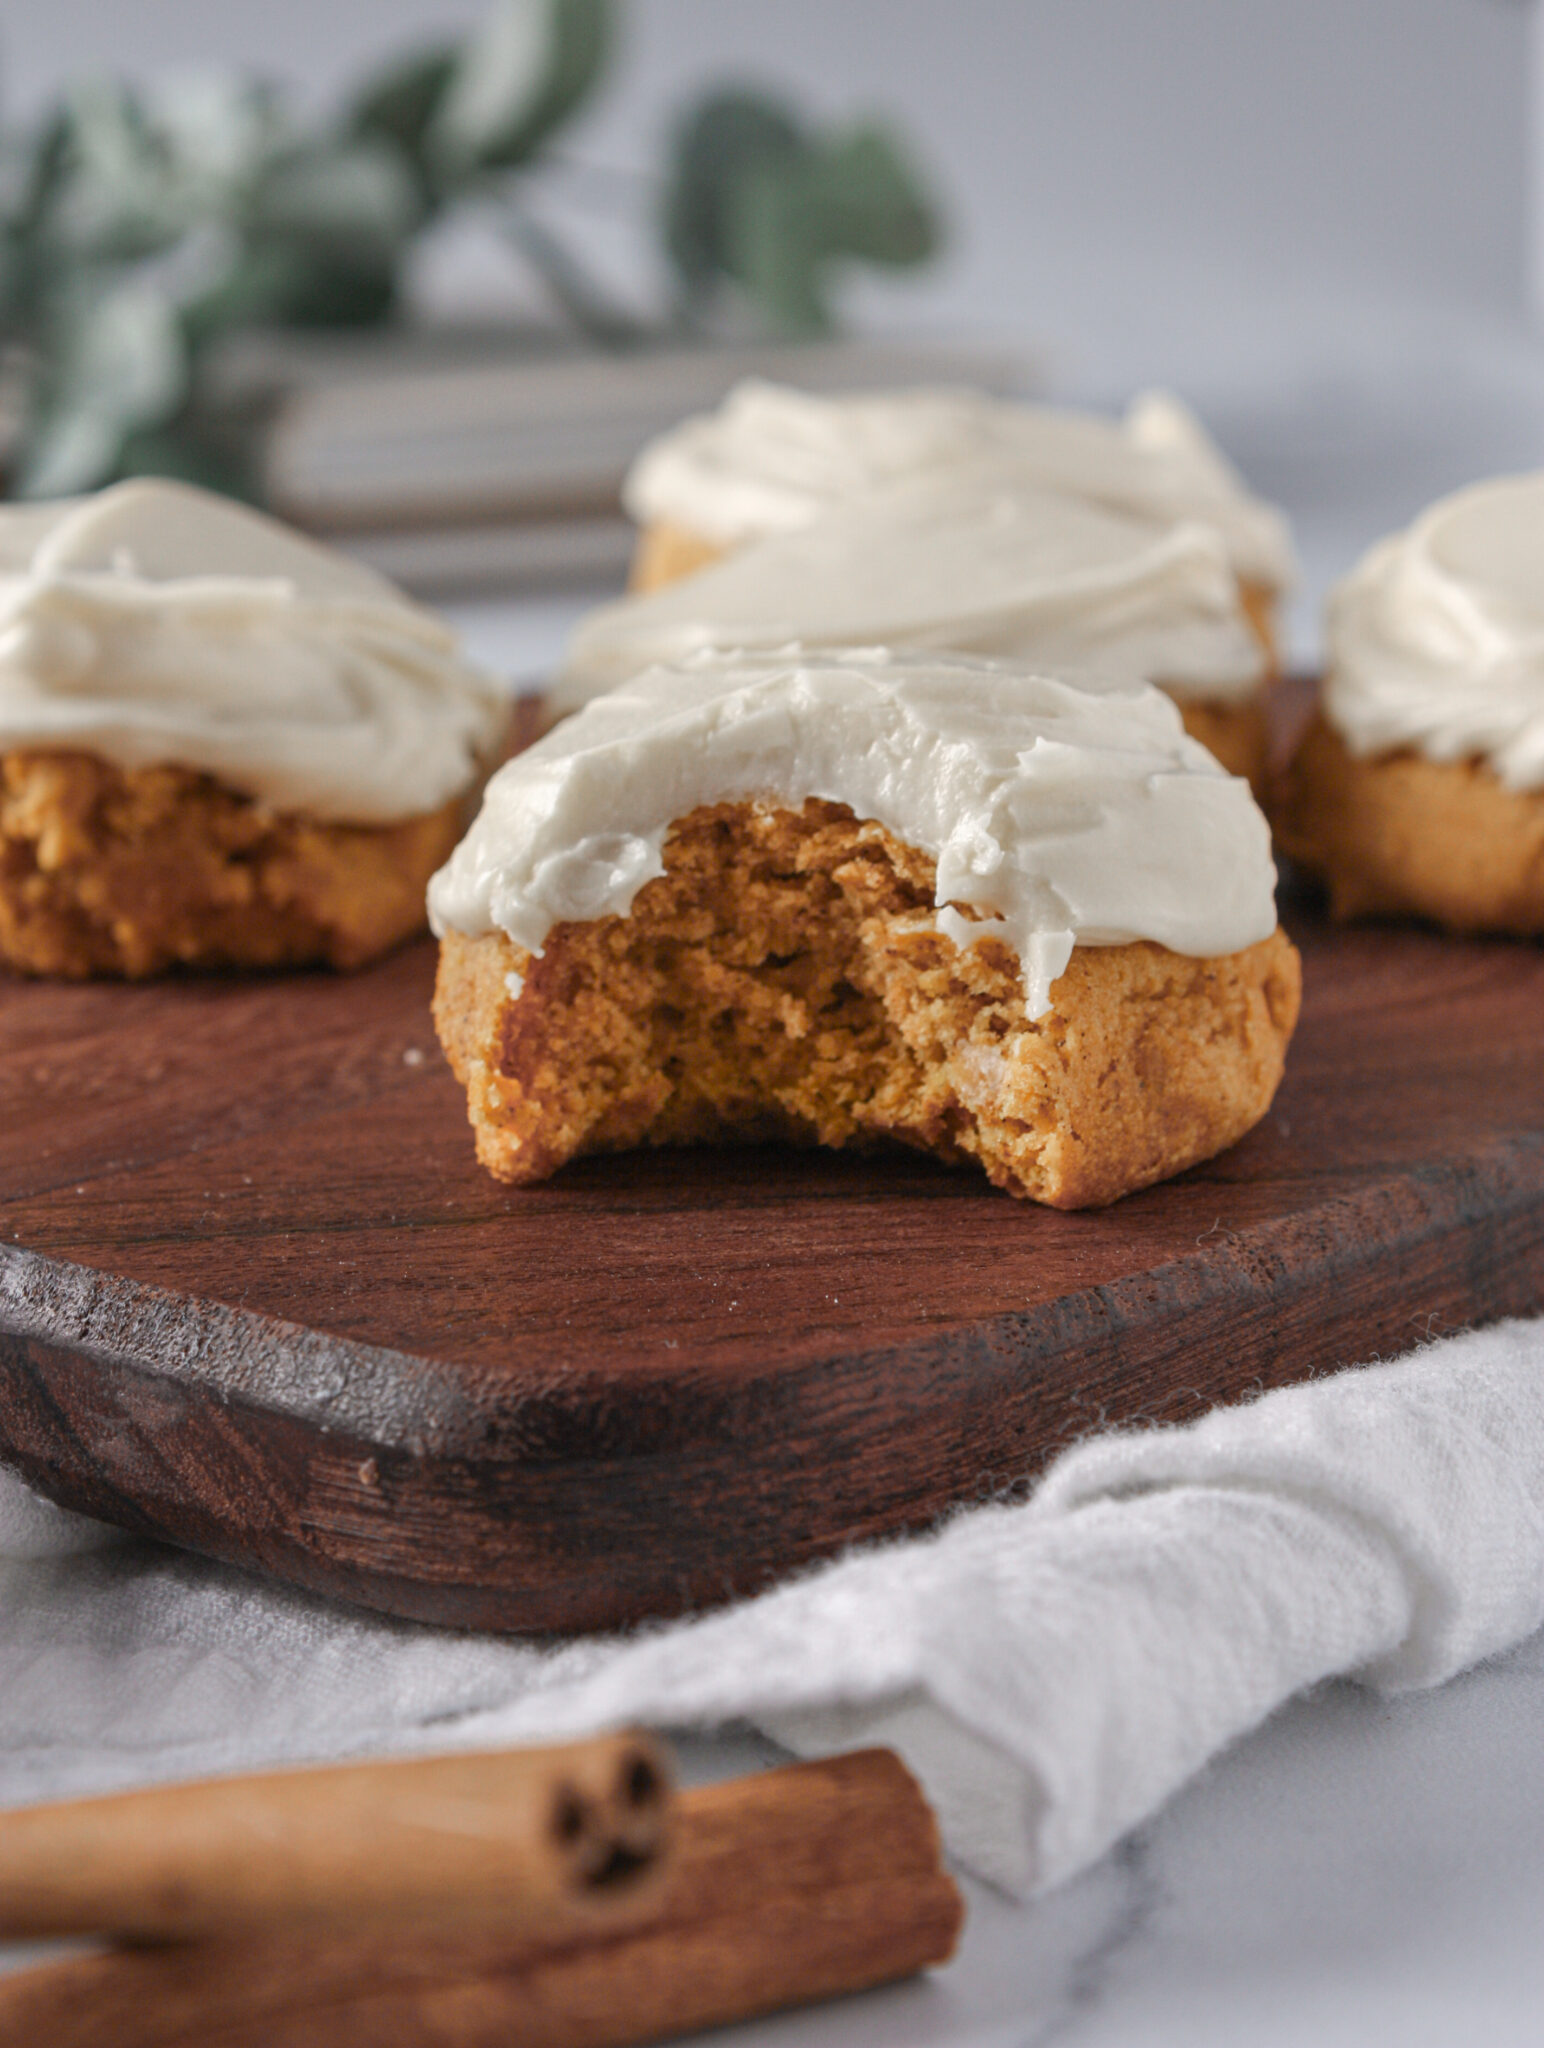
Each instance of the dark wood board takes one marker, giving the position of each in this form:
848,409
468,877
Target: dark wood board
257,1298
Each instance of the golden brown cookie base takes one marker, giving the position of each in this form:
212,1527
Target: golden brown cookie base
1258,601
105,870
782,981
665,553
1238,734
1404,835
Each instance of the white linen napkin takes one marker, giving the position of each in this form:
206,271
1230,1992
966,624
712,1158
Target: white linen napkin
1052,1670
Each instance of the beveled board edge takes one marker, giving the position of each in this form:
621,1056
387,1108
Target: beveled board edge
542,1504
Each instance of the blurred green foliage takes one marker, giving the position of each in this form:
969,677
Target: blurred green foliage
140,228
757,201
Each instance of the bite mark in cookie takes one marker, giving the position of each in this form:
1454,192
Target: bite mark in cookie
785,980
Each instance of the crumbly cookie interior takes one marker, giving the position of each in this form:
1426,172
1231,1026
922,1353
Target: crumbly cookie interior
129,871
1237,734
784,980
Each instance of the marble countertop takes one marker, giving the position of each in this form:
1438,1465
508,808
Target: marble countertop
1361,1870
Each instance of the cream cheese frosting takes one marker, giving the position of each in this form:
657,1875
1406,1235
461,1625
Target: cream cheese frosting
155,622
1436,639
977,563
1058,816
772,459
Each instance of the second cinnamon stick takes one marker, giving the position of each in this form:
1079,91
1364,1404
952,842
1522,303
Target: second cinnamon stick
793,1885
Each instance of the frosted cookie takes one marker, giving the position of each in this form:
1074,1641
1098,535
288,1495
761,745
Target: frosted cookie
1419,787
220,744
974,561
773,459
839,898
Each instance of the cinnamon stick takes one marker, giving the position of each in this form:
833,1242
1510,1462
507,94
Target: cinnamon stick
783,1888
522,1839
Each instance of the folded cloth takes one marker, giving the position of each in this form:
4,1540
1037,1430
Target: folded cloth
1052,1670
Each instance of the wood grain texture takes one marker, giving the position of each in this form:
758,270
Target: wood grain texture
257,1298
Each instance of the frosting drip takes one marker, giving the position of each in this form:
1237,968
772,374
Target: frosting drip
977,563
156,623
771,459
1057,816
1436,639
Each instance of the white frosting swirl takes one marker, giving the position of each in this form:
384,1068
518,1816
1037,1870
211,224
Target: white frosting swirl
155,622
771,459
975,562
1436,638
1062,817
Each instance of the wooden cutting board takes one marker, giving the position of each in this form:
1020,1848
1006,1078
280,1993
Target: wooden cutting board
257,1298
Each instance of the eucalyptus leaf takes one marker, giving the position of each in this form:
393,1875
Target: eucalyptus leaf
755,201
585,36
42,169
325,231
140,225
358,193
66,451
872,200
220,459
119,194
730,137
318,285
775,247
218,130
252,291
292,281
32,181
401,102
120,366
516,79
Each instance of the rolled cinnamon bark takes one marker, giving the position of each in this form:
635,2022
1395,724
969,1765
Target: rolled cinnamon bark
522,1840
791,1886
